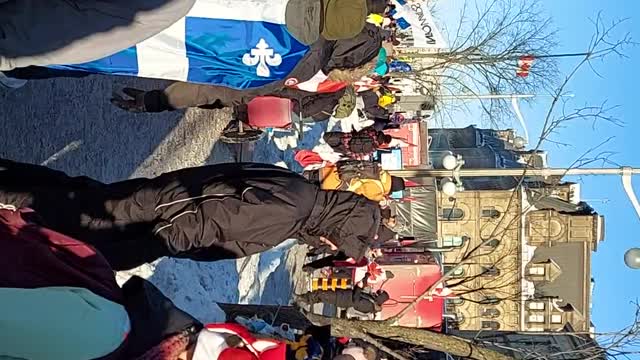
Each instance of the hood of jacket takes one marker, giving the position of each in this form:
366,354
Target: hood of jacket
348,220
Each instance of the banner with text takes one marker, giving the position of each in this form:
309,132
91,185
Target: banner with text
417,25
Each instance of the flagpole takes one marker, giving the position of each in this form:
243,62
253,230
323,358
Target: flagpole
557,55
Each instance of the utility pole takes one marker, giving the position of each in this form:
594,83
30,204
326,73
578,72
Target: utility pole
499,172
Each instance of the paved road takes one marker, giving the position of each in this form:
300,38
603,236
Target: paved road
74,119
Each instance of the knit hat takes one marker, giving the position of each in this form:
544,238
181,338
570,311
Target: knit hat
303,20
343,19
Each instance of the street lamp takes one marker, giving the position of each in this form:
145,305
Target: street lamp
448,186
632,258
450,162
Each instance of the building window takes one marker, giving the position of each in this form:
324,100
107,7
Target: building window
536,318
491,244
454,241
536,270
490,313
556,319
490,271
451,214
456,301
491,213
490,325
459,272
490,300
536,305
459,319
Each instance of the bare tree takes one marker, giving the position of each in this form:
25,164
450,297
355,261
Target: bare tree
621,344
483,57
618,344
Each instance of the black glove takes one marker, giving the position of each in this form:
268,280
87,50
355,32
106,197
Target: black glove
135,104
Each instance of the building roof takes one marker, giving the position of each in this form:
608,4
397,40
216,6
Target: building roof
573,282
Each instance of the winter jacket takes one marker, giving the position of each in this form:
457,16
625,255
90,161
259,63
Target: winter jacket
204,213
372,189
252,348
53,259
51,32
69,274
323,56
59,323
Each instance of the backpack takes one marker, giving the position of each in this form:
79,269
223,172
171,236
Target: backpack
363,142
346,104
352,169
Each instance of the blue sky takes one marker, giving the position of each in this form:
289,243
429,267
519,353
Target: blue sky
616,285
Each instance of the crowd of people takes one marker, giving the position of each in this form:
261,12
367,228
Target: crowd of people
64,236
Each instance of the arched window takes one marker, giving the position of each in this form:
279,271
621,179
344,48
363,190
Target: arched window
490,325
490,271
490,213
490,313
450,214
454,241
456,301
490,300
492,244
459,272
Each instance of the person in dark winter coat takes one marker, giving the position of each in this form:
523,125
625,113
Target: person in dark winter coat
37,258
324,55
357,144
342,298
206,213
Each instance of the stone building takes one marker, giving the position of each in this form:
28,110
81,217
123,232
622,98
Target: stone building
519,258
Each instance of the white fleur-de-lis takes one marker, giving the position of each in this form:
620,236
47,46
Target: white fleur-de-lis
262,56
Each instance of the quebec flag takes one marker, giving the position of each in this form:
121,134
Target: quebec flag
235,43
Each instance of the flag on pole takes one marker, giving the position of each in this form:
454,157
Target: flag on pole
239,44
319,83
524,65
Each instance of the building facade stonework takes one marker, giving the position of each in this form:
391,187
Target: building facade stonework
514,267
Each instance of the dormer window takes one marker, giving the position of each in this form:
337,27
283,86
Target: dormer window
547,270
537,270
